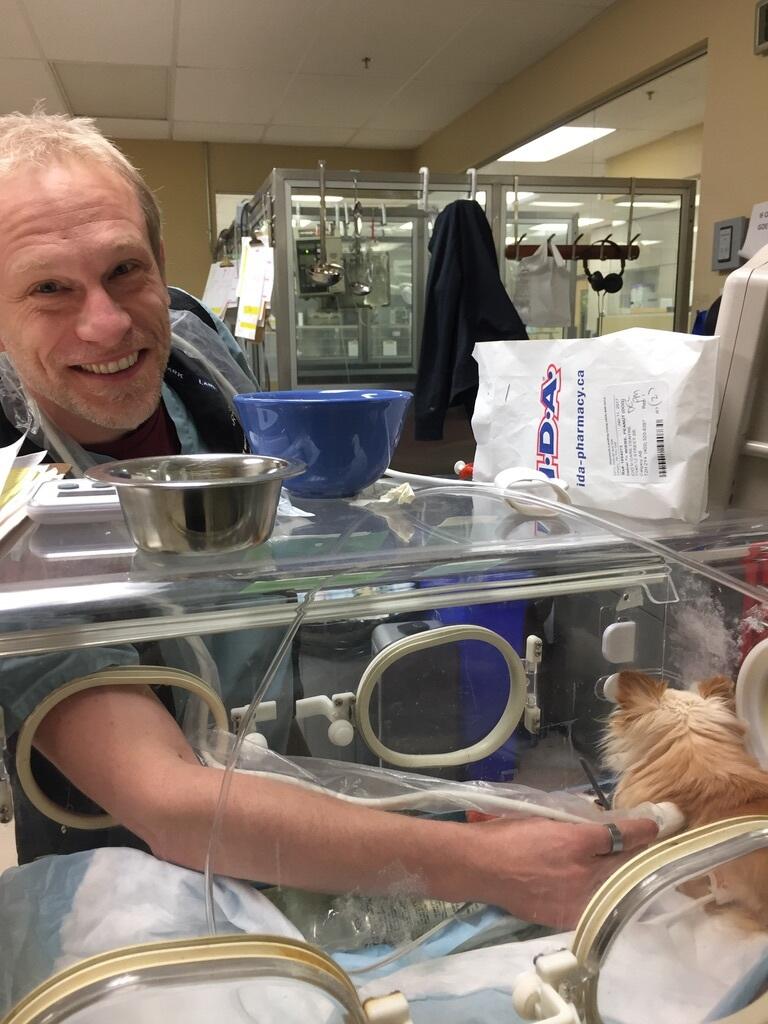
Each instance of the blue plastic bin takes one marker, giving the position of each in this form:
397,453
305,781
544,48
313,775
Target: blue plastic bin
483,683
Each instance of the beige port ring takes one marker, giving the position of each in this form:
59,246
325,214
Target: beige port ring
500,733
127,675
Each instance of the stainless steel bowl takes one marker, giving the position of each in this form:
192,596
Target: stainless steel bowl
198,504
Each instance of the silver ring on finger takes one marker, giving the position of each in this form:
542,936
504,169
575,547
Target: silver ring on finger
617,839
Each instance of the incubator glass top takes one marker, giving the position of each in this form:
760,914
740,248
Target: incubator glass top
363,554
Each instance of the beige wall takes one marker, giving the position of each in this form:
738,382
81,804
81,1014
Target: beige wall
177,173
244,168
620,48
675,156
615,49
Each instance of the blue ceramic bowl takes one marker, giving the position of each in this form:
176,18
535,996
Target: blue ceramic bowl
345,438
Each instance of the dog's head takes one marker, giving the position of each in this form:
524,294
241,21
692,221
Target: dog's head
650,718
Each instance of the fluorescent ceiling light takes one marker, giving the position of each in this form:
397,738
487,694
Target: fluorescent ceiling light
521,197
617,223
556,143
548,229
316,199
405,226
555,203
588,222
641,205
480,198
650,241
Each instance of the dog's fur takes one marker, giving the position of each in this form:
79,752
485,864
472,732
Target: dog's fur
688,747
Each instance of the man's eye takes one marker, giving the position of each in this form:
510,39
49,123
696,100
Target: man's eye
47,288
122,269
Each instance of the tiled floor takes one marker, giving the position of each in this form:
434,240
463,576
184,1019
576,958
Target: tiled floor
7,847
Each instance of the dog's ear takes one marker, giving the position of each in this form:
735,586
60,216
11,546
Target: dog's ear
721,687
635,690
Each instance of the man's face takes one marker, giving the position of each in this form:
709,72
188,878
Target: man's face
83,304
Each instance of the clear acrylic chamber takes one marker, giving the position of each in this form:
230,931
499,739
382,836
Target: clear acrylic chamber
366,328
444,657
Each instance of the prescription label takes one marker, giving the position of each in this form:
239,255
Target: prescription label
635,418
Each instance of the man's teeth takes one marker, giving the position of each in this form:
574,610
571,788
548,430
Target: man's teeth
121,364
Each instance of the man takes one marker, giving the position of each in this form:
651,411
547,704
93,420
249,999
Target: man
84,322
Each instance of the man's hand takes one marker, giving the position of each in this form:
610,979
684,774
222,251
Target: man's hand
546,871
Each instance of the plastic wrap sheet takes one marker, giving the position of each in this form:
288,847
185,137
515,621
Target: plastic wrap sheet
395,790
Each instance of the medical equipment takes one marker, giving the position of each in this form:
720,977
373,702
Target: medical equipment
256,977
73,501
577,985
453,547
736,469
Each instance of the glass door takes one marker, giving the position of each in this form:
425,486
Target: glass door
648,288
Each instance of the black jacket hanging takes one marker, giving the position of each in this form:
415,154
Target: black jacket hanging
466,302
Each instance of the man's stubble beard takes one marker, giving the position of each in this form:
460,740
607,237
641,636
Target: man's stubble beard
137,402
130,412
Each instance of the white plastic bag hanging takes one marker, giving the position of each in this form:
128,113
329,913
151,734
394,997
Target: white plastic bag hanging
625,419
542,291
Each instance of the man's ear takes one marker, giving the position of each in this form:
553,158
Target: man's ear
720,687
637,690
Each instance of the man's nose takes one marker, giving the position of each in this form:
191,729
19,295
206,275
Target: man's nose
101,320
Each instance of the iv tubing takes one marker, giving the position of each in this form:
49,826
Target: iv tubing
245,725
490,803
248,718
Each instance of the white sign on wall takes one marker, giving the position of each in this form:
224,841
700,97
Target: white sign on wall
757,233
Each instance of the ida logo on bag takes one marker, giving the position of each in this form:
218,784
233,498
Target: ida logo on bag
548,433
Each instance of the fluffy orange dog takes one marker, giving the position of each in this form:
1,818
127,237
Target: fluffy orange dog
687,746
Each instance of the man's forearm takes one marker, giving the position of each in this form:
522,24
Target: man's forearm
275,832
121,748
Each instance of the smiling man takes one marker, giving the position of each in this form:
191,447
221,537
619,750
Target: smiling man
83,304
85,329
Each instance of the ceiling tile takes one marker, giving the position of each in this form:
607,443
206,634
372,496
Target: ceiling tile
376,139
133,128
227,96
206,131
24,82
398,36
15,40
115,90
139,32
335,100
425,105
505,37
249,33
306,135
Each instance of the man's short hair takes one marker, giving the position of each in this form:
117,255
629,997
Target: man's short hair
40,139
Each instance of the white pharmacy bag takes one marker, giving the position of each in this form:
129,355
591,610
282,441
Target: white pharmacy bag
542,290
627,419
